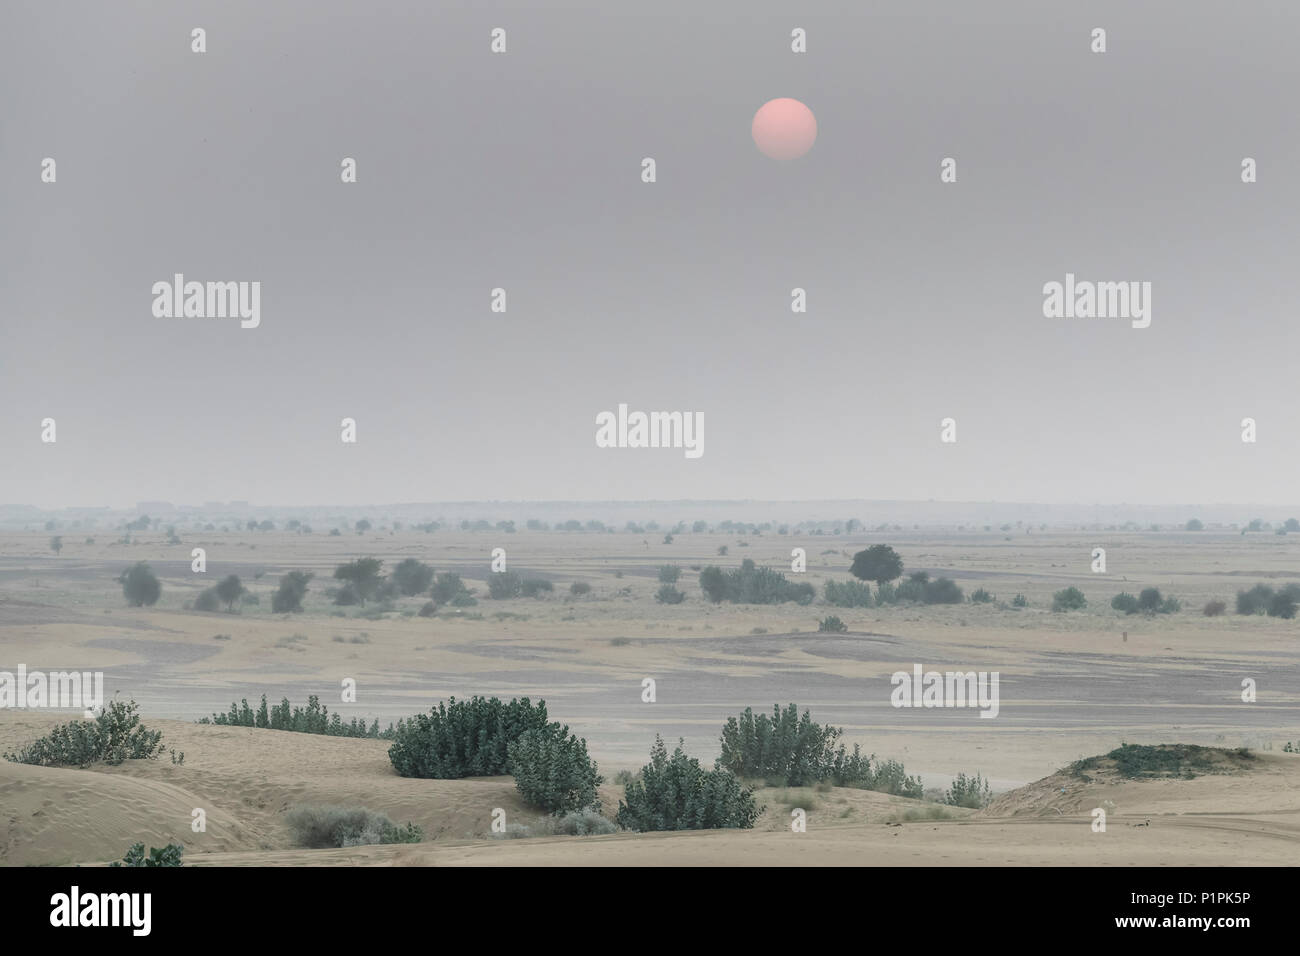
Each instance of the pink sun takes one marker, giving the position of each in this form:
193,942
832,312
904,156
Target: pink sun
784,129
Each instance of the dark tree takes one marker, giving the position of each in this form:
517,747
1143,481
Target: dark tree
879,563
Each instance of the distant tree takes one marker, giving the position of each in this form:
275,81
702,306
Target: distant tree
1069,599
293,588
669,573
1292,524
363,575
1149,600
667,594
448,587
879,563
362,525
1194,525
252,524
1125,602
266,526
56,543
579,588
412,577
722,551
504,584
207,600
140,586
230,590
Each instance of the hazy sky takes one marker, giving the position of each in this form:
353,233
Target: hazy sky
523,171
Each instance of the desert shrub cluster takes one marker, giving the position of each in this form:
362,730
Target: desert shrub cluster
464,738
315,718
676,793
790,749
114,736
321,827
750,584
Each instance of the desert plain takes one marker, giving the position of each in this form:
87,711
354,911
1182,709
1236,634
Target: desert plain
1072,685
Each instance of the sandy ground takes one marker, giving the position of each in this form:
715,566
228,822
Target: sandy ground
1072,685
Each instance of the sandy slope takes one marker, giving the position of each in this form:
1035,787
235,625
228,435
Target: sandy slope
245,779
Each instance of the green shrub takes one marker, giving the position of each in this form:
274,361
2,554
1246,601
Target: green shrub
832,624
293,588
207,600
503,585
879,563
919,588
114,736
447,587
848,594
533,587
321,827
1125,602
412,577
362,579
1256,600
579,588
463,738
669,573
972,792
1069,599
1020,601
312,719
676,793
750,584
140,586
981,596
1150,600
552,770
667,594
1214,608
169,855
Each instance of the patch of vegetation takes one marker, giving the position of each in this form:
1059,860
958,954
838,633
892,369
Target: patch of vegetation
676,793
750,584
789,749
169,855
972,792
668,594
1262,599
140,586
847,594
1069,599
581,823
503,585
312,719
114,736
981,596
552,770
322,827
1176,761
464,738
832,624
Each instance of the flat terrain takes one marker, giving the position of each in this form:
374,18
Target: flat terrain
1072,685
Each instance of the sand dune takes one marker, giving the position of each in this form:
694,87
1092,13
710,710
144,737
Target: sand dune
245,779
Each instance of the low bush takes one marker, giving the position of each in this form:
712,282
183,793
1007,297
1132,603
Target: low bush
676,793
1069,599
972,792
463,738
321,827
552,770
847,594
114,736
169,855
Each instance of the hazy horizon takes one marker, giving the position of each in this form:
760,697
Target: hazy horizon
478,171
